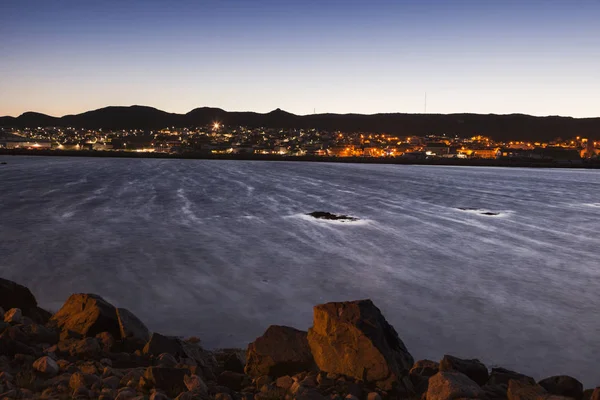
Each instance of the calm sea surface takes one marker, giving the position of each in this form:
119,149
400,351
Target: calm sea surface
222,249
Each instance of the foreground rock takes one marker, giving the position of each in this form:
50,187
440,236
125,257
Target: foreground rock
13,295
47,366
446,385
131,328
280,351
87,315
92,350
474,369
563,386
354,339
501,376
519,390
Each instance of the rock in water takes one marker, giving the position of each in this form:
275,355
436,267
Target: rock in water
330,216
453,385
280,351
354,339
88,315
563,385
474,369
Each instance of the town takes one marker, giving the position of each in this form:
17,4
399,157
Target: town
218,139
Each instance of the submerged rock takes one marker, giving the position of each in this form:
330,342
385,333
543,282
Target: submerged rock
354,339
330,216
482,212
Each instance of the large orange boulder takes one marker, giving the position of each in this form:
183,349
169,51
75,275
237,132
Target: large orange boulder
88,315
280,351
354,339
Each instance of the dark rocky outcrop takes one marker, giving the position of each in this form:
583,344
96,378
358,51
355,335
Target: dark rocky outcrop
474,369
13,295
280,351
132,330
420,373
159,344
563,385
232,360
170,380
501,376
354,339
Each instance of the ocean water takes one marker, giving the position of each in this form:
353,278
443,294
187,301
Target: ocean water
223,249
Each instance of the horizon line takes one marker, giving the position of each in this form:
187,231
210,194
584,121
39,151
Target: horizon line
297,115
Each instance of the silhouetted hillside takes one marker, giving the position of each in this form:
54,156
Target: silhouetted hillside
500,127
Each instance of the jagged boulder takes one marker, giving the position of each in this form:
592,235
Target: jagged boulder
230,359
46,366
280,351
420,373
520,390
354,339
501,376
13,316
170,380
159,344
563,385
132,329
13,295
474,369
446,385
87,315
425,368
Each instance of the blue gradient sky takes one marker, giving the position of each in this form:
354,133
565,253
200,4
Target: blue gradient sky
539,57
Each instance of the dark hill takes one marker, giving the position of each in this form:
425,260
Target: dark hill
500,127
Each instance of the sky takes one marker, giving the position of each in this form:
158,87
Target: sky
539,57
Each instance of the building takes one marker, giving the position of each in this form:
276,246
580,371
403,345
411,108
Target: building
9,141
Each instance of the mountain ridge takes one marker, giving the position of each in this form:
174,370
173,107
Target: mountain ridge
498,126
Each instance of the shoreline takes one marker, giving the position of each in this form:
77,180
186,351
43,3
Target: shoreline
512,163
91,349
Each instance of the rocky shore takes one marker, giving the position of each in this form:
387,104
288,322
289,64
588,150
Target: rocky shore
91,349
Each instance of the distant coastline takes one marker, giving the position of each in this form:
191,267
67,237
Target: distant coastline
516,163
